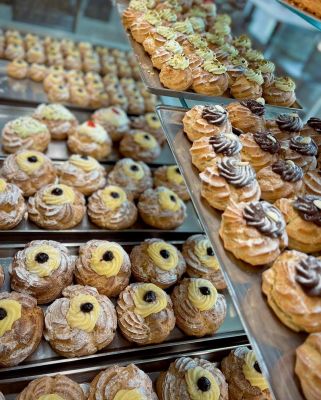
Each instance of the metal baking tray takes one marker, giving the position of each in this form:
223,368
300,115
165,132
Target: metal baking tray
273,343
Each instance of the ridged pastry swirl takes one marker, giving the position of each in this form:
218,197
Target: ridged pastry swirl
312,182
308,275
289,122
236,173
302,151
245,89
208,83
309,208
42,269
25,334
58,385
242,117
275,95
107,384
12,205
155,327
75,342
170,177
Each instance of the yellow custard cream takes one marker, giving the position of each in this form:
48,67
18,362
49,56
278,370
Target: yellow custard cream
163,254
87,163
107,259
42,260
3,185
83,312
173,175
168,200
202,294
57,195
251,374
27,126
149,299
193,377
129,394
11,310
29,161
144,139
113,197
152,121
133,169
204,252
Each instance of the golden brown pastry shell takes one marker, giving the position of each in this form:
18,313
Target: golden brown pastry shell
244,89
277,97
12,207
129,148
242,118
209,84
312,183
84,145
176,79
160,179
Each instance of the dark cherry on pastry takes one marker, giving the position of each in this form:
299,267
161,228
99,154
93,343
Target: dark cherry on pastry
145,313
285,126
103,265
12,205
21,326
157,262
302,150
42,269
171,177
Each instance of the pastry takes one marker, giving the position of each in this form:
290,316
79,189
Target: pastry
303,222
36,54
157,262
142,27
281,92
29,170
157,38
293,290
149,122
139,145
206,121
307,364
24,133
56,207
235,67
205,152
312,182
201,261
176,73
14,51
120,383
58,94
210,79
114,120
282,179
2,276
302,150
192,378
59,120
244,376
254,232
52,387
17,69
170,177
229,180
81,322
42,270
79,96
285,126
84,173
145,313
260,149
90,139
53,79
21,326
98,98
132,13
112,208
103,265
248,86
313,129
267,69
133,176
37,72
136,104
247,115
163,54
12,205
161,208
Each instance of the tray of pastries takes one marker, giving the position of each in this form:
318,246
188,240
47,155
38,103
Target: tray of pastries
256,185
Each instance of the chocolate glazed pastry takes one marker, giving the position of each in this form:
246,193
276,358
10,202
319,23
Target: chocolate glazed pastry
285,126
247,115
312,129
301,150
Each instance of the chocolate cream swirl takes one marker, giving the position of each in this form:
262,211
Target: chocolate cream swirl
309,208
237,173
267,142
266,218
215,115
288,171
254,106
289,122
227,144
308,275
304,145
315,123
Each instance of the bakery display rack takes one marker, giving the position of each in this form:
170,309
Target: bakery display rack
311,19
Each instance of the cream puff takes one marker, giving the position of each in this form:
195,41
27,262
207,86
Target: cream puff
79,96
210,78
12,205
176,73
285,126
140,146
163,54
142,27
302,150
248,86
157,38
53,79
17,69
37,72
170,177
58,94
36,54
312,182
281,92
247,115
114,120
313,129
14,51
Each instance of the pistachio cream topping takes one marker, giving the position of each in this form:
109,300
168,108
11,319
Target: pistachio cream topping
238,61
152,17
3,185
184,27
197,41
254,55
42,260
265,66
224,18
228,48
113,197
129,394
145,140
95,131
215,38
197,12
214,67
204,252
54,112
163,254
149,299
198,24
86,163
107,259
242,41
254,76
83,312
201,384
173,47
29,161
168,200
138,5
222,28
58,195
52,396
205,54
252,372
178,62
285,84
168,15
10,312
133,169
202,294
166,32
27,126
173,175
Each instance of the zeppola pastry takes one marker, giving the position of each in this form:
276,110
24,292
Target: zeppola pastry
42,270
248,86
114,120
170,177
145,313
293,289
281,92
56,207
21,326
12,205
253,232
157,262
201,261
103,265
140,146
247,115
176,73
192,378
302,150
37,72
81,322
149,123
285,126
17,69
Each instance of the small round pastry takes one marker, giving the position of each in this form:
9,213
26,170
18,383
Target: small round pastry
312,129
308,359
248,86
206,121
293,289
302,150
56,387
247,115
136,104
112,208
99,98
36,54
283,179
114,120
267,69
244,376
58,119
37,72
58,94
53,79
281,92
140,146
142,27
42,270
56,207
145,313
79,96
176,73
312,182
254,232
303,222
90,139
121,383
235,67
157,38
133,176
81,322
201,261
190,379
12,205
170,177
14,51
24,133
29,170
149,122
103,265
285,126
21,326
2,276
229,180
17,69
165,53
210,79
161,208
84,173
157,262
260,149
